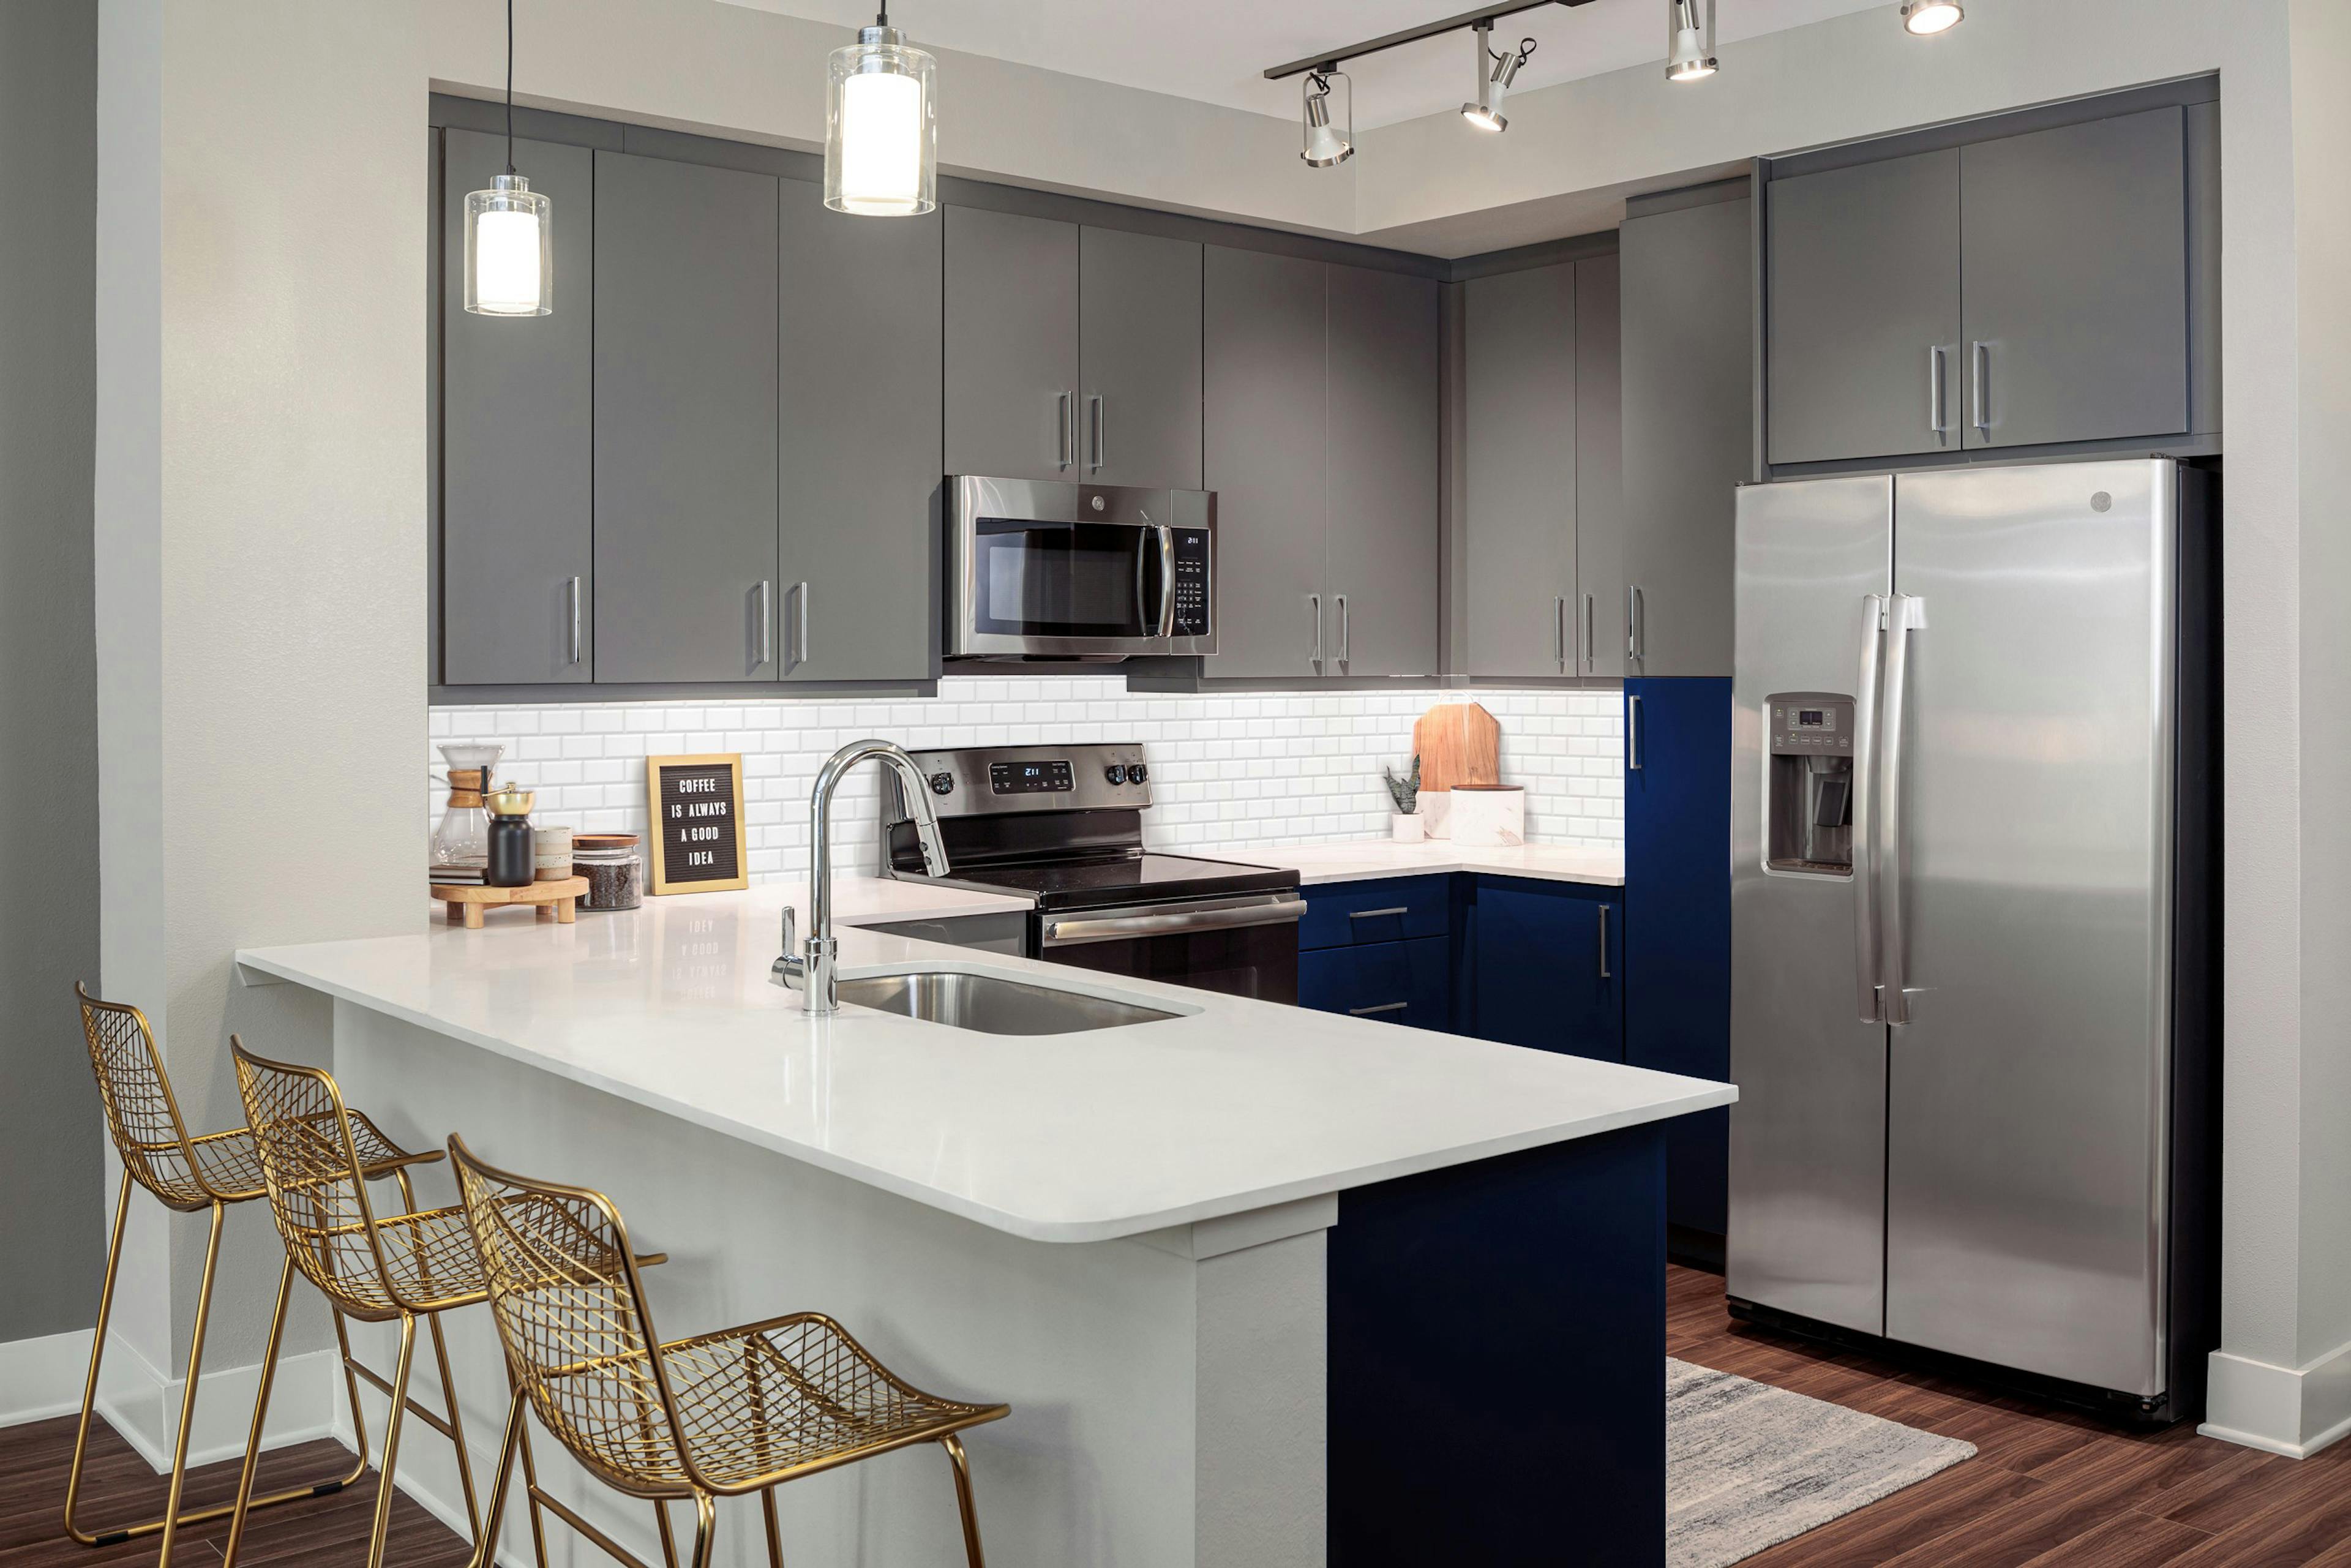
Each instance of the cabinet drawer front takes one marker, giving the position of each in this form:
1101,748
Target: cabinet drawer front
1351,913
1392,982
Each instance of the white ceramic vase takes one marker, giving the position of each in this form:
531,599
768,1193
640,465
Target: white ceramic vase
1406,829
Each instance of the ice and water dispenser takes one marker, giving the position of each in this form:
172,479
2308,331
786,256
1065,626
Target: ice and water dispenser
1808,788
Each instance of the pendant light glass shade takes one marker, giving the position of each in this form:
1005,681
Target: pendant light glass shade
1327,145
1927,17
881,127
1691,50
509,249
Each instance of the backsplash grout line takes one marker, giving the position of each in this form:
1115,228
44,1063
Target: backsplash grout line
1227,772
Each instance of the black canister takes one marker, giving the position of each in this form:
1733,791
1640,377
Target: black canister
514,859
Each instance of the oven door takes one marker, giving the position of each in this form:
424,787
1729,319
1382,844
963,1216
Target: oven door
1243,946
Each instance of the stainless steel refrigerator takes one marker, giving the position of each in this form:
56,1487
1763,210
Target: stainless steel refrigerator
1974,971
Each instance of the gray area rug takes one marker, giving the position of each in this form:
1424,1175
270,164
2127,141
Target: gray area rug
1748,1466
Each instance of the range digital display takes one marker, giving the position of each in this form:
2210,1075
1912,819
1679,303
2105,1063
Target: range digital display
1051,777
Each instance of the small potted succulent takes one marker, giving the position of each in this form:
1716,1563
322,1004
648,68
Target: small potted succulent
1404,824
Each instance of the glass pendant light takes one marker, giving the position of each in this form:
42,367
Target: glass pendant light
1326,145
880,125
1927,17
509,233
1496,75
1692,56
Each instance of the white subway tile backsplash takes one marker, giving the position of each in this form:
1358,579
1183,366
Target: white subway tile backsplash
1227,772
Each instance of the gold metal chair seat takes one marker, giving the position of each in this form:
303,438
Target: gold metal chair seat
229,1165
429,1265
769,1401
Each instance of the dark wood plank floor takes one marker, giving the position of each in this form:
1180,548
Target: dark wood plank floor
118,1486
2047,1486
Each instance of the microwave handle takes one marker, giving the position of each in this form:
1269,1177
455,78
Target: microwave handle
1167,582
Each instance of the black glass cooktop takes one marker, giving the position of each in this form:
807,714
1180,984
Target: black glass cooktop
1126,879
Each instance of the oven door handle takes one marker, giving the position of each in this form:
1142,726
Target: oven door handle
1173,920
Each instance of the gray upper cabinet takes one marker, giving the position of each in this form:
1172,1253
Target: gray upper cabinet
1012,369
517,540
859,530
685,422
1518,350
1864,310
1266,445
2075,278
1382,555
1688,428
1139,358
1597,618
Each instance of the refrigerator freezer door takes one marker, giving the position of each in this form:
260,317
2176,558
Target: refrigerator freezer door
2026,1094
1808,1135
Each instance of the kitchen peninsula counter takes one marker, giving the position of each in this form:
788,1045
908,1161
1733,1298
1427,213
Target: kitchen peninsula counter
1227,1266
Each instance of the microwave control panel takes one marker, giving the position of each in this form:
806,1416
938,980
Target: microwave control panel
1191,582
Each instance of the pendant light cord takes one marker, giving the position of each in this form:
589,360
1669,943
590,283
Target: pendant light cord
509,86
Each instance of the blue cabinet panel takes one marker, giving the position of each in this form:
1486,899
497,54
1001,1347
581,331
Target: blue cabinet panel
1678,919
1347,913
1547,967
1394,982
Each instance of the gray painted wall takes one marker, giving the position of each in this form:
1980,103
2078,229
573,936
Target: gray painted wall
50,1161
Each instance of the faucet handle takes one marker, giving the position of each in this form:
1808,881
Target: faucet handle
790,920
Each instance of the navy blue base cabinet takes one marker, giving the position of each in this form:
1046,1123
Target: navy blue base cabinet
1380,950
1545,966
1678,921
1497,1362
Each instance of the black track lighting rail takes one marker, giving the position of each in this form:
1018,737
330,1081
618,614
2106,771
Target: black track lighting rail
1331,59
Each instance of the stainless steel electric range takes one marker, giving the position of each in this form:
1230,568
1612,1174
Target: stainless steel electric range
1063,824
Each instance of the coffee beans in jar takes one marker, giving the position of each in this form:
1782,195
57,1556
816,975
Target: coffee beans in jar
614,871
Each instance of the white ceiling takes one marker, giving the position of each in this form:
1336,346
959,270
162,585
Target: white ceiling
1216,51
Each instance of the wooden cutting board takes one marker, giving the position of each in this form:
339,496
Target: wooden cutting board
1459,743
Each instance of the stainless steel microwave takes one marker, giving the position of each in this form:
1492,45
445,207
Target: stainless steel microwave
1043,569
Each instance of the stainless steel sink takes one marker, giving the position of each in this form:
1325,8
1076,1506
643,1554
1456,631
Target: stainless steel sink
991,1005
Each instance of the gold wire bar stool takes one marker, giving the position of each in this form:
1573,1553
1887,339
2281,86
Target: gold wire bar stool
187,1175
405,1266
719,1414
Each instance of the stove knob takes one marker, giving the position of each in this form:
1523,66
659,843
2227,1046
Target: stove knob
942,783
1116,773
1136,773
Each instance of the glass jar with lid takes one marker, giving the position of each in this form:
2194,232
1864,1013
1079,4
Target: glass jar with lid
614,871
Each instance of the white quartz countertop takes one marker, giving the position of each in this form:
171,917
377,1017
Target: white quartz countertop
1362,859
1232,1106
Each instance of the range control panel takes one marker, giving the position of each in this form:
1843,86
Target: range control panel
1191,582
1042,777
1812,724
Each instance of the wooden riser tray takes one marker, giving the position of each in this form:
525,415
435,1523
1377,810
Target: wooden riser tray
556,901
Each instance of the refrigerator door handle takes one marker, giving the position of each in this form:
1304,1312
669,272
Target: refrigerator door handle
1865,846
1906,613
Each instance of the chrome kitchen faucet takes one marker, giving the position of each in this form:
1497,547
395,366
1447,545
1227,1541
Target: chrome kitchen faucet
812,973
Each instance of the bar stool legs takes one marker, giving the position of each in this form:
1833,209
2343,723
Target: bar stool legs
169,1522
956,1457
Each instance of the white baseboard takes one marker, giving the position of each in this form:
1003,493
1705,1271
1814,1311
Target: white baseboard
42,1377
144,1406
2293,1411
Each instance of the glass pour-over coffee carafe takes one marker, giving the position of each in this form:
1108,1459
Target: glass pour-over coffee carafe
463,838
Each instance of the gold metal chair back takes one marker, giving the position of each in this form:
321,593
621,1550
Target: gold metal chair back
570,1313
142,1116
310,1163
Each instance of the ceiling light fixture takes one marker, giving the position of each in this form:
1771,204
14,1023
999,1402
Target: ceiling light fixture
1496,74
880,125
1927,17
1326,145
509,233
1691,57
